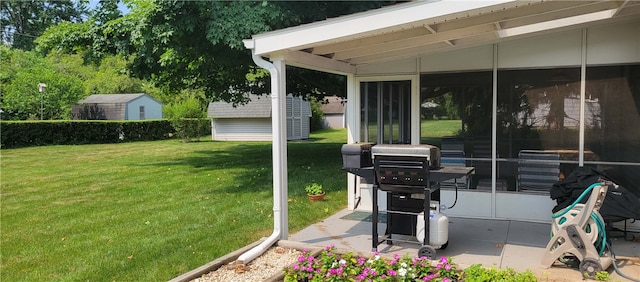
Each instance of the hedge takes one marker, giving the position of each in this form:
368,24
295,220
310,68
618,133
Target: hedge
15,134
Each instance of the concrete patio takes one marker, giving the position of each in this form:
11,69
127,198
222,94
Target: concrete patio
501,243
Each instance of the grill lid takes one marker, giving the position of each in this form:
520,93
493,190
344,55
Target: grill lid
432,153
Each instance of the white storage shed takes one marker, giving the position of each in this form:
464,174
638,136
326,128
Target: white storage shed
252,121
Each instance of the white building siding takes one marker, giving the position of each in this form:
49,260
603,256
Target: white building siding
614,44
562,49
334,120
477,58
403,66
248,129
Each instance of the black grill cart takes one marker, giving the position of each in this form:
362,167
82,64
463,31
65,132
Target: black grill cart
410,174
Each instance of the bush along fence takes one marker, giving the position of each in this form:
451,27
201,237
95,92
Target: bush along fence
15,134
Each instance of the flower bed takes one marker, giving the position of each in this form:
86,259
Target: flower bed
332,266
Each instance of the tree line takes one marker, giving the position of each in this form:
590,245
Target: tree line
170,49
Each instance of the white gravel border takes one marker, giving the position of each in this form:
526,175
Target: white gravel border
267,267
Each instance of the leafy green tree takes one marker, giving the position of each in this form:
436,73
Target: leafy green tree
112,78
21,72
198,44
22,21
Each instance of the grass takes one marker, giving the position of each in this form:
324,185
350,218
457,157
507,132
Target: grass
150,211
432,131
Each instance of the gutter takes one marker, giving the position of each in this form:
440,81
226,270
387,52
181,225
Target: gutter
279,149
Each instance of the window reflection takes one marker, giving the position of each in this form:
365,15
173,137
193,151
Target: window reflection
455,114
616,138
538,113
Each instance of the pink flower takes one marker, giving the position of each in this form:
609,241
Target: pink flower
444,260
446,280
361,260
392,272
447,267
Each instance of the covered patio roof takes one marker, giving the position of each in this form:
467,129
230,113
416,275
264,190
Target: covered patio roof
403,31
419,28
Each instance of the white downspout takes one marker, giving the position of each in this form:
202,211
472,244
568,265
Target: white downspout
279,145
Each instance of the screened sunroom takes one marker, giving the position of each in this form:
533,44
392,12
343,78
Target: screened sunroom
496,85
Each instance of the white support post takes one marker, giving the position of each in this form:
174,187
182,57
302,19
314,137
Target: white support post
494,131
352,114
583,94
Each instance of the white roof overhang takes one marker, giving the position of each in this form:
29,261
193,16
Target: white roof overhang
418,28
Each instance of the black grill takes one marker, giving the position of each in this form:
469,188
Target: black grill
410,174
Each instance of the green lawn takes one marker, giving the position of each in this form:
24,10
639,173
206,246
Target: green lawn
150,211
432,131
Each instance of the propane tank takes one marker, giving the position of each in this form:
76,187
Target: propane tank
438,229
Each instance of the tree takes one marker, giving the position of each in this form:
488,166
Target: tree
23,21
112,77
198,44
21,72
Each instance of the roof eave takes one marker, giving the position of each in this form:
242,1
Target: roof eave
364,24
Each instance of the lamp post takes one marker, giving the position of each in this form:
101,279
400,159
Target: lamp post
42,87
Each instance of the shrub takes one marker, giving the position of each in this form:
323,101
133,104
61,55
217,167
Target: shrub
478,273
39,133
317,115
188,117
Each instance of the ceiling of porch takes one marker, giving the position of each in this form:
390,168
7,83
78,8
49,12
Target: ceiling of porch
420,28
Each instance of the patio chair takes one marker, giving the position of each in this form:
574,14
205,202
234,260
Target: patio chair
452,143
538,170
453,158
482,174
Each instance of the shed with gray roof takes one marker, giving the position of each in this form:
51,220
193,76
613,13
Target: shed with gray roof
252,121
333,112
137,106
